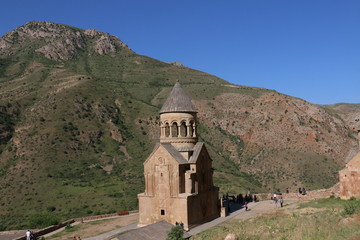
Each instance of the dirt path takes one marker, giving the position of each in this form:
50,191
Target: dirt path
103,229
94,228
7,235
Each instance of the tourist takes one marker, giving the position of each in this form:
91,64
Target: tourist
246,206
281,201
303,191
287,190
28,235
74,238
255,198
241,198
275,201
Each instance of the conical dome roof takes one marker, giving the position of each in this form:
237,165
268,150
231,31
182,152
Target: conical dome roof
178,101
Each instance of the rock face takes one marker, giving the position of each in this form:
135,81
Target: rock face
59,42
275,126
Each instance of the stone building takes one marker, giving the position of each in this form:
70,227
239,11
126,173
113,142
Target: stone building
350,177
178,173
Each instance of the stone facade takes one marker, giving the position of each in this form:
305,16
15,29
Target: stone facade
350,178
178,173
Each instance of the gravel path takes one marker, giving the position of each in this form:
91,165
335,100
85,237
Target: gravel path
256,209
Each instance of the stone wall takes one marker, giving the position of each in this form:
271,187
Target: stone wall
311,195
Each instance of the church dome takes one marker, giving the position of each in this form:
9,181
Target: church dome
178,101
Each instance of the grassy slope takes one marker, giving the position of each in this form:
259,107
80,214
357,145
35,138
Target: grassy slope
69,121
63,137
321,219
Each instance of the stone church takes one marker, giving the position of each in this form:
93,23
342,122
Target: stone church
350,177
178,173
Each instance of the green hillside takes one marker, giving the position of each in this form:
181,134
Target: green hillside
77,124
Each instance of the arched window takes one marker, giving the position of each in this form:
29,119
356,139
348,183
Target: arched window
191,129
183,130
167,130
174,130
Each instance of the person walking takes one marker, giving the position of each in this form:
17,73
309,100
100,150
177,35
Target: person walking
28,235
246,206
281,202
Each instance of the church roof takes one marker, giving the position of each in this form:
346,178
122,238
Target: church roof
197,150
178,101
174,153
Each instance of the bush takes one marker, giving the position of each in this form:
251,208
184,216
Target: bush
175,233
350,208
50,208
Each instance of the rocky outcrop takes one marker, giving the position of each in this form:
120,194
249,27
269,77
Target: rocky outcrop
59,42
105,43
178,64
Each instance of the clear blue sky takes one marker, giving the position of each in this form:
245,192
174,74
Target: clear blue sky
304,48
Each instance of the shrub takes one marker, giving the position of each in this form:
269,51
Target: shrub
175,233
350,208
68,226
51,208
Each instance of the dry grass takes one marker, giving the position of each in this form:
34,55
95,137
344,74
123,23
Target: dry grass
94,228
296,224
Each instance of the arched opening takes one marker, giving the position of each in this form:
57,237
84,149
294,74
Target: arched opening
167,130
191,129
183,130
174,130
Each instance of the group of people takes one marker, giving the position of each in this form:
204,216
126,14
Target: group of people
302,191
180,224
240,198
277,200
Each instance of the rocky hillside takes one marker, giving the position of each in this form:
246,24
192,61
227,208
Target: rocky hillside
79,115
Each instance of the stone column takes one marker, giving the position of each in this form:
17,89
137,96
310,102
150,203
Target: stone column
179,131
194,130
162,131
188,131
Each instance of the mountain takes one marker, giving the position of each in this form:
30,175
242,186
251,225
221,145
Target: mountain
79,114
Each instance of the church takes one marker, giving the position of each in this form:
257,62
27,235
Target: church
178,173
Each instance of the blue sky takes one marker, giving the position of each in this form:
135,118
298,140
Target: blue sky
304,48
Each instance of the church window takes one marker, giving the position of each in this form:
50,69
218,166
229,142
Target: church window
162,212
167,130
191,129
183,130
174,130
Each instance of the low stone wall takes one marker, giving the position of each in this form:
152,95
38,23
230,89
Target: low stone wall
311,195
48,229
97,217
63,224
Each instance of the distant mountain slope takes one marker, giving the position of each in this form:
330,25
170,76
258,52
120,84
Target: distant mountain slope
79,115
